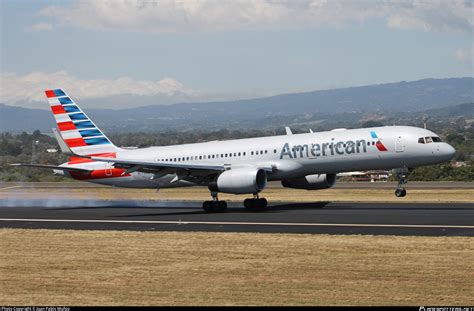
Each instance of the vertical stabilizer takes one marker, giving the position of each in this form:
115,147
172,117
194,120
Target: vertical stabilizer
80,135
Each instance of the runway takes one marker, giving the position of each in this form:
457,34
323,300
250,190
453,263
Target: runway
423,219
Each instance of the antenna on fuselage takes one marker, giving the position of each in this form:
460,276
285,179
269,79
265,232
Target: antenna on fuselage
425,120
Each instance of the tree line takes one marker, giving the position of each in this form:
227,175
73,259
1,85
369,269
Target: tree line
32,148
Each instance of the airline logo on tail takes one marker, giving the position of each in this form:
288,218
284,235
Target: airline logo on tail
378,144
78,131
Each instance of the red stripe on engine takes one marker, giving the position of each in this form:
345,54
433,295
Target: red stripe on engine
75,142
50,93
66,126
58,109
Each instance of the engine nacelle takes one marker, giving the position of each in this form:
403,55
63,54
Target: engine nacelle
311,182
240,180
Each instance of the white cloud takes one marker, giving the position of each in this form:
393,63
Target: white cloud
30,87
229,15
42,26
28,91
451,15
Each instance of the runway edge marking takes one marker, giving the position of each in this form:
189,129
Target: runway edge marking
12,187
232,223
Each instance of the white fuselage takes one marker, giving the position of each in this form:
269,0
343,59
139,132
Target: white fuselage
288,156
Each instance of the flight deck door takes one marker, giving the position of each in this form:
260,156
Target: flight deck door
399,144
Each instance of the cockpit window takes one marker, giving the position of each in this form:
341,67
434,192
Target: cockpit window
427,140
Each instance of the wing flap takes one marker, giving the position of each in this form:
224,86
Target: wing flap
141,165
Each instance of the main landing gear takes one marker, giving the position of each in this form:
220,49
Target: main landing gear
256,203
402,176
215,205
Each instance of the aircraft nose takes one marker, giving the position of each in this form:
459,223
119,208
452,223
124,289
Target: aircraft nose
448,151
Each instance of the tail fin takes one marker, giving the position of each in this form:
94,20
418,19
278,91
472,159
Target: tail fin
79,133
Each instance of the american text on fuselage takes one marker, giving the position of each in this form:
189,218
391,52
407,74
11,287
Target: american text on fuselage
324,149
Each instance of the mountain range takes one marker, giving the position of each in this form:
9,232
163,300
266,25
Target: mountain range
359,102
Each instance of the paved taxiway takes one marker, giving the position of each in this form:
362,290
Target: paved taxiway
429,219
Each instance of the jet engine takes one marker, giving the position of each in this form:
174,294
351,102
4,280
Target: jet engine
311,182
240,180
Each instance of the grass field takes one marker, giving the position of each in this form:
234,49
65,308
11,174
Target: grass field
61,267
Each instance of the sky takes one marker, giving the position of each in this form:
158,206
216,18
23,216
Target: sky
206,50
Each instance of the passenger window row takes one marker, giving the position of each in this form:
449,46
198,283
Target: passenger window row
235,154
214,156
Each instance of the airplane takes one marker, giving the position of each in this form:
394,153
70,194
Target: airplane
242,166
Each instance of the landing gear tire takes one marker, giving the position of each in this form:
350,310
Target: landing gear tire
400,193
214,206
222,205
208,206
402,177
256,204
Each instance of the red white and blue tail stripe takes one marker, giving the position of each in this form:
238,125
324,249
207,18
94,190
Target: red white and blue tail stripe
80,134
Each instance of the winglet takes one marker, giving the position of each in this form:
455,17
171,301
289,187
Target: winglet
288,130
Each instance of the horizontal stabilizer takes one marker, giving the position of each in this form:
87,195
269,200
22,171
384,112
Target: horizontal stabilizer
53,167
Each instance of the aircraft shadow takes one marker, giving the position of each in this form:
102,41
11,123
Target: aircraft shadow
240,210
277,208
121,207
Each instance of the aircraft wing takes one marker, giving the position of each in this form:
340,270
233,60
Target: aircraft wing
191,172
124,163
53,167
131,165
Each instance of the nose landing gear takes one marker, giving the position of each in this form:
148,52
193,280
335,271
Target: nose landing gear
400,192
402,176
